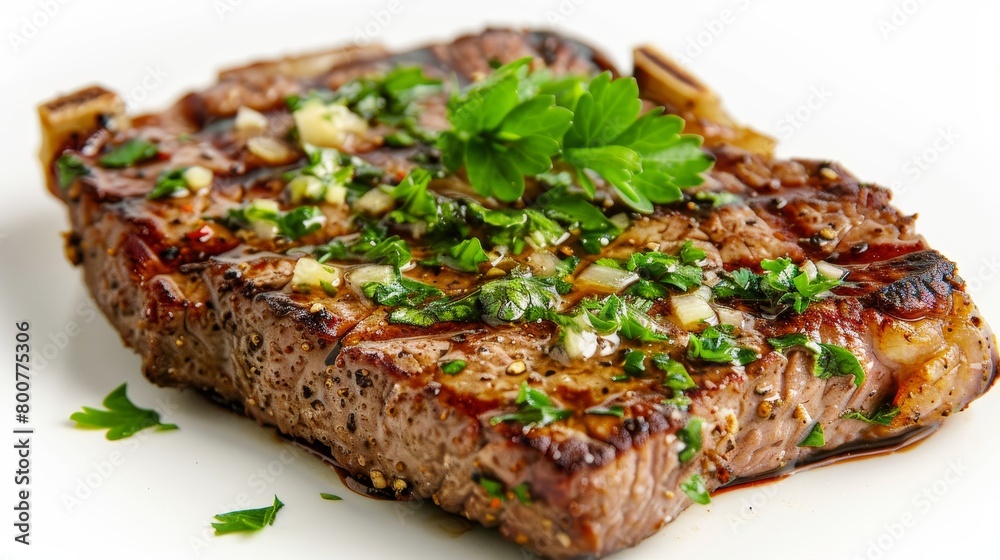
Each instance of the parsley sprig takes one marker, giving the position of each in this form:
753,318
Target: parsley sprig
782,285
512,125
122,418
503,130
535,409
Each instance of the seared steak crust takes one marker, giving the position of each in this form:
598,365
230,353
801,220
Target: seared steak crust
208,310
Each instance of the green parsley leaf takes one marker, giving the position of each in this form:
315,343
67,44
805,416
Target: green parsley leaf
665,269
247,519
596,230
830,359
635,363
465,256
453,367
330,497
372,245
122,418
815,437
615,410
503,130
168,184
675,376
535,409
614,315
522,492
402,291
293,224
695,489
883,416
716,344
782,285
646,158
691,436
716,198
516,298
68,169
494,488
129,153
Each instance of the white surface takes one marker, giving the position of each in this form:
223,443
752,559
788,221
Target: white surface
888,98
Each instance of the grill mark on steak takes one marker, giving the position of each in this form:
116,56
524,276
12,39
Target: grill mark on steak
218,316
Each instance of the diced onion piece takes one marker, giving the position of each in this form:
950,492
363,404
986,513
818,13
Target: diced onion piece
311,274
249,120
580,340
831,271
810,269
336,194
605,279
375,203
543,263
305,187
327,125
198,177
729,316
692,310
271,150
366,274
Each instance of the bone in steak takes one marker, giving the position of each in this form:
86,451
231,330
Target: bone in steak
212,308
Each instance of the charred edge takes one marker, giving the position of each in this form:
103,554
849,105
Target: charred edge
920,285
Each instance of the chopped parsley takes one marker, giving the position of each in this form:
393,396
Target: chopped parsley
323,178
401,291
716,198
129,153
514,298
522,492
69,168
122,418
830,359
535,409
716,344
330,497
782,285
883,416
390,99
372,244
576,212
635,363
815,437
247,519
695,489
614,410
494,488
453,367
614,315
262,214
660,270
465,256
691,437
675,375
169,183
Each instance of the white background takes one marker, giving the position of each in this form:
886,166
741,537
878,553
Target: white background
896,78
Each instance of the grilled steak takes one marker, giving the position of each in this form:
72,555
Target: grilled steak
214,307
